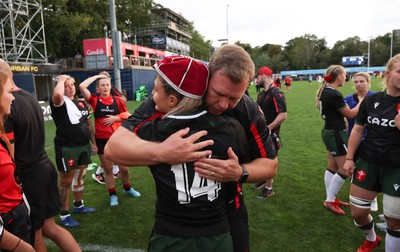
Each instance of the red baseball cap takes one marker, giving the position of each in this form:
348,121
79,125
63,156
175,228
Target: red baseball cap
186,75
265,70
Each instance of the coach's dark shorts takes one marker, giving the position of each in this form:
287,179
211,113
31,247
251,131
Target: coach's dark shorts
69,158
163,243
335,142
238,224
41,189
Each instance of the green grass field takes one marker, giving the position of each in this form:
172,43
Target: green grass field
294,219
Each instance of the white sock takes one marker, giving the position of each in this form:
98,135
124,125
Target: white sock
328,179
334,187
370,234
63,217
392,244
115,169
99,170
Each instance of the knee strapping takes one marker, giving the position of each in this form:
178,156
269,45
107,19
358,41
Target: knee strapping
391,206
360,203
395,233
77,181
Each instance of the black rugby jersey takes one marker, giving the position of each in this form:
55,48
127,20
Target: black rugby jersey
382,141
25,128
187,205
68,134
247,112
331,103
272,102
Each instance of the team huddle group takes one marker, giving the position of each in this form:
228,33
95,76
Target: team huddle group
202,137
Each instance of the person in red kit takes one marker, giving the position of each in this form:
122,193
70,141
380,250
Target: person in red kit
288,84
15,224
109,112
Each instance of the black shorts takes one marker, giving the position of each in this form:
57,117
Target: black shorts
101,143
18,223
41,189
238,224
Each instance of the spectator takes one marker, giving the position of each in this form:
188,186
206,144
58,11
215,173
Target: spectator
51,59
78,60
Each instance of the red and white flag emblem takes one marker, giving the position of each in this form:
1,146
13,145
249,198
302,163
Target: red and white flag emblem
71,162
360,175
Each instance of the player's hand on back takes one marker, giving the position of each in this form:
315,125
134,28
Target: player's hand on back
178,149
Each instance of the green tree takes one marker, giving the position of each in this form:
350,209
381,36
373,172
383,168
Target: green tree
349,47
69,22
301,52
199,48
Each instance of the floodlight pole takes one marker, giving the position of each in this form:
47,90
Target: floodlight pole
227,25
369,53
391,45
115,45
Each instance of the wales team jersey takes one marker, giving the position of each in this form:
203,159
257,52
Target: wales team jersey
272,102
381,144
187,205
331,103
246,112
68,134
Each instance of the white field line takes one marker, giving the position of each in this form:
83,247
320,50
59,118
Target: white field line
97,247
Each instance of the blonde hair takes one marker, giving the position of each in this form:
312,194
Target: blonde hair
333,72
389,67
70,78
365,75
105,73
185,103
4,76
235,63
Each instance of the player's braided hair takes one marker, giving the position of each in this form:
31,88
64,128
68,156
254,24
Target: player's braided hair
331,76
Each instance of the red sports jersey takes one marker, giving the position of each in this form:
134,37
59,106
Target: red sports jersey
10,192
102,107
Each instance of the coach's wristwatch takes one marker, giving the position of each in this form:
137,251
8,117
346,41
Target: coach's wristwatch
244,175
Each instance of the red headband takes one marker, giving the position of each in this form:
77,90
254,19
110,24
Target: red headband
328,78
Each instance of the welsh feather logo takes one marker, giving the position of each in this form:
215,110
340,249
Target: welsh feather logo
360,176
396,186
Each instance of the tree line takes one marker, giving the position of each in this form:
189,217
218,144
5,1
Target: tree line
68,22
